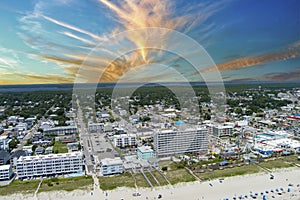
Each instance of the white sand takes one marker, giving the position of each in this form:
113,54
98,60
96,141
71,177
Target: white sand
238,185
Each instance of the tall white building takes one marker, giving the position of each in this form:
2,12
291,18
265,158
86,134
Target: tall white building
5,172
172,142
124,140
52,164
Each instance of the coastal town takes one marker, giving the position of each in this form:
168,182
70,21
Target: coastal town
153,143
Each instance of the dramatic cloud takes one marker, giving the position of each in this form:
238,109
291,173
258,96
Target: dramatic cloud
290,53
22,78
129,15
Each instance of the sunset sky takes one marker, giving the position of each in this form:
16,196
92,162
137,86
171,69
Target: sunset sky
56,41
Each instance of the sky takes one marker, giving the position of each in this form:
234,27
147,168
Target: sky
68,41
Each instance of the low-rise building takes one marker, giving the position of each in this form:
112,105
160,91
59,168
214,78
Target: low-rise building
125,140
110,166
39,150
48,165
61,130
145,152
21,127
67,140
49,150
96,127
41,140
30,121
73,146
5,172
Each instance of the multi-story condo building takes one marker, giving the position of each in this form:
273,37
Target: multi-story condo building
125,140
61,130
221,131
172,142
5,172
110,166
52,164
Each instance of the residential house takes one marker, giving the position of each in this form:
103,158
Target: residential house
49,150
39,150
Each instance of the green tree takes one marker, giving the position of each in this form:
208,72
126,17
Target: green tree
34,147
13,144
165,168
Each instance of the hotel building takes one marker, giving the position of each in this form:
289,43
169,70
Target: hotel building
172,142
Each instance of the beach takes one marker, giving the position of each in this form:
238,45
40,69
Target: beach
284,180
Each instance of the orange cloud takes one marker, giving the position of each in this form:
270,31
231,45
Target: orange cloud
18,78
252,61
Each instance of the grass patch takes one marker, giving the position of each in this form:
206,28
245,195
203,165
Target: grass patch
179,175
272,164
151,179
165,163
160,178
19,187
112,182
59,147
291,158
176,173
67,184
141,181
245,169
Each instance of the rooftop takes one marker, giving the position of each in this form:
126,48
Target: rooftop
50,156
145,149
112,161
4,167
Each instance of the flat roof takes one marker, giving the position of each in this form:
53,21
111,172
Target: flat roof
111,161
125,135
49,156
145,149
4,167
3,137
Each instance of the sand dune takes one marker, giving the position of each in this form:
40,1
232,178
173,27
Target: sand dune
211,190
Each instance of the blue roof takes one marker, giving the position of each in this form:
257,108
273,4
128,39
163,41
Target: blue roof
286,153
179,122
224,162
